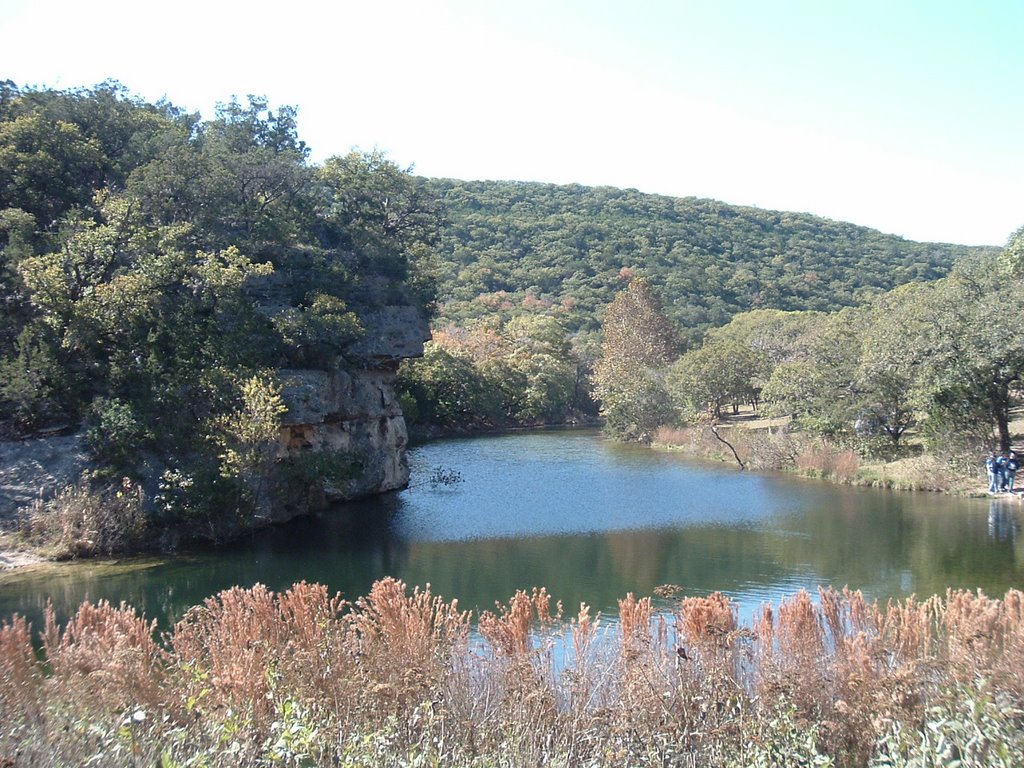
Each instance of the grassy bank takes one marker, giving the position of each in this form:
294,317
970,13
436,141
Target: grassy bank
255,678
770,446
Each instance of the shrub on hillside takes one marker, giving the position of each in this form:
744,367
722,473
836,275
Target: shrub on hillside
822,459
82,521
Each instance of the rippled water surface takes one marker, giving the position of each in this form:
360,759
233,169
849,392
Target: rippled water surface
591,521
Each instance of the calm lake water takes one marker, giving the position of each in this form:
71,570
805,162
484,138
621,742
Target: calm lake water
590,520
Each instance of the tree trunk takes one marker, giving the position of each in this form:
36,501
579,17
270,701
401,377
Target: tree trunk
1001,413
1004,434
714,431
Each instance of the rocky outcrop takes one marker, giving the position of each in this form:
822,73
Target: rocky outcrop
393,333
353,414
344,434
37,469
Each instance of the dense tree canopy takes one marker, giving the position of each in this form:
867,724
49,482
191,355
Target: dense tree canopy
513,247
524,371
974,365
944,358
721,373
157,269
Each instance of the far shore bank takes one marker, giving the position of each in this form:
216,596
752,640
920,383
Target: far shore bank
766,445
884,475
425,433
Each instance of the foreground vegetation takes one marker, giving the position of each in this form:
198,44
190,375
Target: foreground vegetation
254,678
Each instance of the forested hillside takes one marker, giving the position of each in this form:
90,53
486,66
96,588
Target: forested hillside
515,247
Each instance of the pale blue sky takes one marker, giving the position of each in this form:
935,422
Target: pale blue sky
904,116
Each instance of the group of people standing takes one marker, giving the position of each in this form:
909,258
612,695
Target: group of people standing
1002,471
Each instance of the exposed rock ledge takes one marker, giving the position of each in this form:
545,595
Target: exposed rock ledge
37,469
353,415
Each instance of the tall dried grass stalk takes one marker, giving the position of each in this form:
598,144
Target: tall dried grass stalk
635,626
821,459
413,626
584,630
637,660
1010,667
799,631
20,676
582,678
704,619
510,630
229,646
401,646
907,629
107,654
523,684
973,624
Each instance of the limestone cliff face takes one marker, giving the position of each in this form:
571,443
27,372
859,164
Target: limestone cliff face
346,424
37,469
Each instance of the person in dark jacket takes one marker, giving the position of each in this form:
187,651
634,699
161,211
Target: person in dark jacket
1001,471
1010,471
